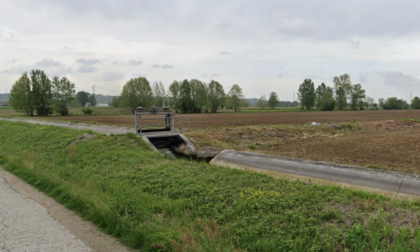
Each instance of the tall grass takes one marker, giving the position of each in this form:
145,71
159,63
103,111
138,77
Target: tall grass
157,203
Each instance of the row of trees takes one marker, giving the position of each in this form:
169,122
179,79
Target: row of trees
37,93
187,96
343,94
272,102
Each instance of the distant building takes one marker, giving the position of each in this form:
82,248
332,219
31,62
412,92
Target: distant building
102,105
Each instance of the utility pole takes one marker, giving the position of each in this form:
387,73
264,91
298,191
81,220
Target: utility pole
411,96
93,89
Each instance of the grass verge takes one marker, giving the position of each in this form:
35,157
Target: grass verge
156,203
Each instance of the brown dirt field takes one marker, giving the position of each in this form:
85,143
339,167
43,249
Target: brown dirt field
393,145
243,119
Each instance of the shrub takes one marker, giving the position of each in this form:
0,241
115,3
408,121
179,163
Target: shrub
87,111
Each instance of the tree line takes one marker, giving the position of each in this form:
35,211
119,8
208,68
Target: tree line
187,96
36,93
345,95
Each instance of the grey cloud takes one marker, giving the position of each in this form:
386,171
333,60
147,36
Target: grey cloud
363,77
48,63
214,75
84,61
134,62
224,53
50,66
5,34
112,76
396,78
162,66
280,75
204,75
86,69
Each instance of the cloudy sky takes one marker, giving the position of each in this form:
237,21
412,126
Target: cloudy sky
262,45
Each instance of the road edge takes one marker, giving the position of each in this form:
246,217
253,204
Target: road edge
84,230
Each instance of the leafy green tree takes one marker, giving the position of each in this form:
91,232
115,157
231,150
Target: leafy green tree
325,98
174,95
343,90
199,95
262,102
159,94
341,98
369,102
357,96
42,93
395,103
235,97
82,98
415,103
136,92
186,103
381,102
273,100
92,100
306,94
116,101
63,91
216,95
21,97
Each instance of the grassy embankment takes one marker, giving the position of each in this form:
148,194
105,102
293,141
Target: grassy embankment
156,203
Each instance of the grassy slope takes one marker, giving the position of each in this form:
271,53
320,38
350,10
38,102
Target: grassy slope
155,203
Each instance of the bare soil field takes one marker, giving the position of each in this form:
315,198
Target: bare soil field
387,144
244,119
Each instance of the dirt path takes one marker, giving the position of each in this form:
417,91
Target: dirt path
32,221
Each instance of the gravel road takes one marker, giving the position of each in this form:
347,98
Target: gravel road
27,226
104,129
31,221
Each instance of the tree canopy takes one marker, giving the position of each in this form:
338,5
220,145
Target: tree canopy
82,98
21,96
325,98
306,94
235,98
216,95
63,91
415,103
136,92
32,93
273,100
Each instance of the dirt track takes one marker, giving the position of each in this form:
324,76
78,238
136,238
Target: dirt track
243,119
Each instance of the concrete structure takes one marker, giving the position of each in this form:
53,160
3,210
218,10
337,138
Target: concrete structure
394,183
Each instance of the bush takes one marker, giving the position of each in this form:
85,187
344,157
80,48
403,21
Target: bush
87,111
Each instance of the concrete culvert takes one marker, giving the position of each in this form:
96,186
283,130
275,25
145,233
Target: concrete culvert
179,145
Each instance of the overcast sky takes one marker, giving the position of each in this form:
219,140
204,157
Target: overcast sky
262,45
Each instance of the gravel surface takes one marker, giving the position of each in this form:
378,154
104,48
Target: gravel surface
26,226
104,129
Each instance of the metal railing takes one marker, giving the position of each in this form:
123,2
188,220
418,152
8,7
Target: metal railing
163,125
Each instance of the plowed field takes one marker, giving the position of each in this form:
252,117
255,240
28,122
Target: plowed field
243,119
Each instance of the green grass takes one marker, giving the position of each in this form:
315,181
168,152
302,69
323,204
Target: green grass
157,203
